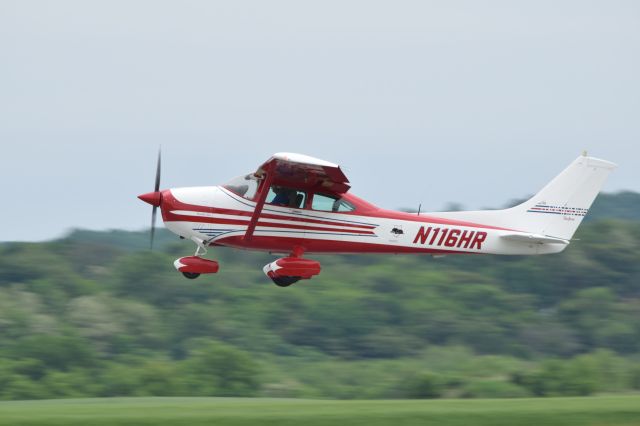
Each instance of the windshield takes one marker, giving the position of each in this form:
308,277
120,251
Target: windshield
244,186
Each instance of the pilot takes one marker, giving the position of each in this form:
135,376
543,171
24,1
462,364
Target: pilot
283,196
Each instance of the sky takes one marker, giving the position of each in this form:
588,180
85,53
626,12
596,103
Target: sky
425,102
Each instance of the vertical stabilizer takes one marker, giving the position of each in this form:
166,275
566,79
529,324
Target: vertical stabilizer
558,209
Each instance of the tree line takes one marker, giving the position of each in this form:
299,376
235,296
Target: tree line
95,314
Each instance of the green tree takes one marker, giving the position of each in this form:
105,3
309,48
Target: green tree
425,385
217,369
55,352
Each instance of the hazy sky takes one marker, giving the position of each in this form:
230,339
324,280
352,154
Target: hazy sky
468,101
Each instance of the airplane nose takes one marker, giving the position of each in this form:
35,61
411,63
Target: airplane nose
153,198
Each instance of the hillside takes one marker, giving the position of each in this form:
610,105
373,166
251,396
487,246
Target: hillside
620,205
97,314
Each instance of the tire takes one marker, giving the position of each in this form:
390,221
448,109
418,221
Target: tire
191,275
285,281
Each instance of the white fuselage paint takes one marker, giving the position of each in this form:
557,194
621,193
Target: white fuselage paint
407,234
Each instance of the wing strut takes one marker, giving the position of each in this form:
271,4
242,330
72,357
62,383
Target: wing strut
262,196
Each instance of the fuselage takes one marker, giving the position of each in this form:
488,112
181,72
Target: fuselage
216,216
296,205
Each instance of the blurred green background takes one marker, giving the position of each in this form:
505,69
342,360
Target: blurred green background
97,314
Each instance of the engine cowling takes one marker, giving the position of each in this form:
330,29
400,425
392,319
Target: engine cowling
292,267
196,265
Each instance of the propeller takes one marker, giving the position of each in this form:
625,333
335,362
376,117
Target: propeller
154,198
156,188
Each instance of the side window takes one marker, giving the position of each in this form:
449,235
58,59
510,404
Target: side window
326,203
286,197
343,206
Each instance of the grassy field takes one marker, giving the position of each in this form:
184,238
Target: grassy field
615,410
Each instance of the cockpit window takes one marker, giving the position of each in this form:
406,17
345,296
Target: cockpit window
328,203
244,186
286,197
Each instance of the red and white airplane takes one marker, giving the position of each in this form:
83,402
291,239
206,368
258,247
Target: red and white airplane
297,205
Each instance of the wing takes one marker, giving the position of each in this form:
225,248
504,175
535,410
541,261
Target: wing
296,171
303,172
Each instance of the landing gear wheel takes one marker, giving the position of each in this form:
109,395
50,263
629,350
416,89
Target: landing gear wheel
191,275
285,281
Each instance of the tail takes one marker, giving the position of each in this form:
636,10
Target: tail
558,209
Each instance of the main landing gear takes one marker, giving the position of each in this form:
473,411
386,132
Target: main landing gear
285,281
289,270
191,275
283,272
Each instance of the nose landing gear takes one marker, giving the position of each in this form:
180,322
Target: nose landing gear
193,266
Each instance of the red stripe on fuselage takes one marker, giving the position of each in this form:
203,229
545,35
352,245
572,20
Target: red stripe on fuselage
200,219
169,203
431,220
284,244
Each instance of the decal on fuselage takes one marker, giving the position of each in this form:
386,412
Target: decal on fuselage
397,230
454,238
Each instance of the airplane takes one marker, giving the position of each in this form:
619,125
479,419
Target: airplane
294,205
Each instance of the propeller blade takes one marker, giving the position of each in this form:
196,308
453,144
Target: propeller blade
153,226
154,212
157,187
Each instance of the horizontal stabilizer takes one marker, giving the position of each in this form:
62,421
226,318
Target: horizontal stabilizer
533,238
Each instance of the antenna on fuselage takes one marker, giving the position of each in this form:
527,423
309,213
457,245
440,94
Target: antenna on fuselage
419,208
